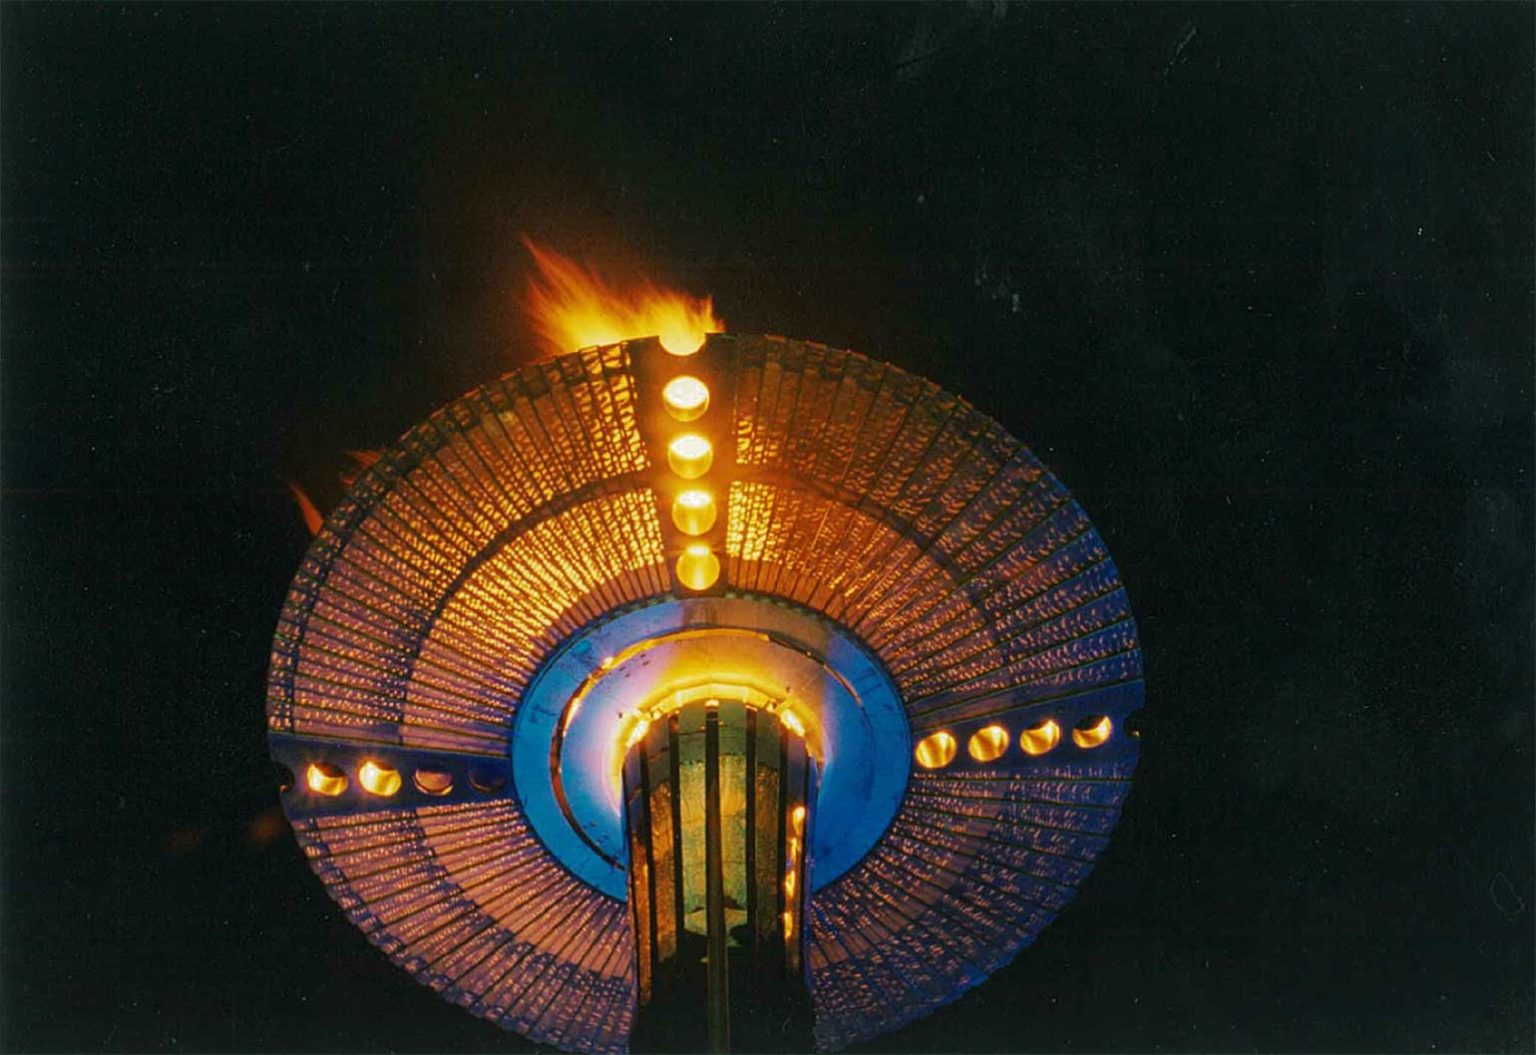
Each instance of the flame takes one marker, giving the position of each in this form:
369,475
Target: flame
361,461
573,308
312,517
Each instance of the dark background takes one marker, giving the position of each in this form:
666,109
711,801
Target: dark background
1257,282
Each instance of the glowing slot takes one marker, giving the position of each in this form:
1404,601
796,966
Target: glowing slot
690,455
698,567
1092,731
325,779
789,924
988,744
378,780
1041,738
789,884
936,750
693,512
797,818
686,397
434,781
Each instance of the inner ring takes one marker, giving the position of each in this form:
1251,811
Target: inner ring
594,696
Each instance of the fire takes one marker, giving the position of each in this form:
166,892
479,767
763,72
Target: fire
361,460
312,518
572,307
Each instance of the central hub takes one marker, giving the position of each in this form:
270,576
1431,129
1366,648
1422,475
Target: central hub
602,693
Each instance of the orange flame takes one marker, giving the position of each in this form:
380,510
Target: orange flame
312,517
573,308
361,461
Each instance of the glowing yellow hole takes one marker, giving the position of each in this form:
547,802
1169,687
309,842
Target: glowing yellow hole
936,750
789,884
693,512
698,567
434,781
377,779
797,818
325,779
690,455
789,924
686,397
1091,732
679,338
988,744
1041,738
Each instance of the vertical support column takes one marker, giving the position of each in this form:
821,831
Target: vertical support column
717,805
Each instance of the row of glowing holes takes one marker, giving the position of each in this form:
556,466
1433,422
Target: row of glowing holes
986,745
325,779
690,456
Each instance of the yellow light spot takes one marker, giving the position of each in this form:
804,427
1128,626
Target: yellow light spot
1041,738
936,750
686,397
690,455
1091,732
325,779
434,781
637,733
377,779
792,722
697,567
693,512
988,744
789,884
789,924
797,818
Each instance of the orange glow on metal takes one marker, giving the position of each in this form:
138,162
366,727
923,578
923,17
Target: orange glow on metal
936,750
692,683
1041,738
1093,735
690,455
792,846
325,779
694,512
377,779
686,397
637,732
698,568
792,722
574,308
988,744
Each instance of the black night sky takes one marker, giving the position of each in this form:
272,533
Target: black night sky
1255,281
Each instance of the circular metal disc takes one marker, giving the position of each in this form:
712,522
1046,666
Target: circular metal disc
469,558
